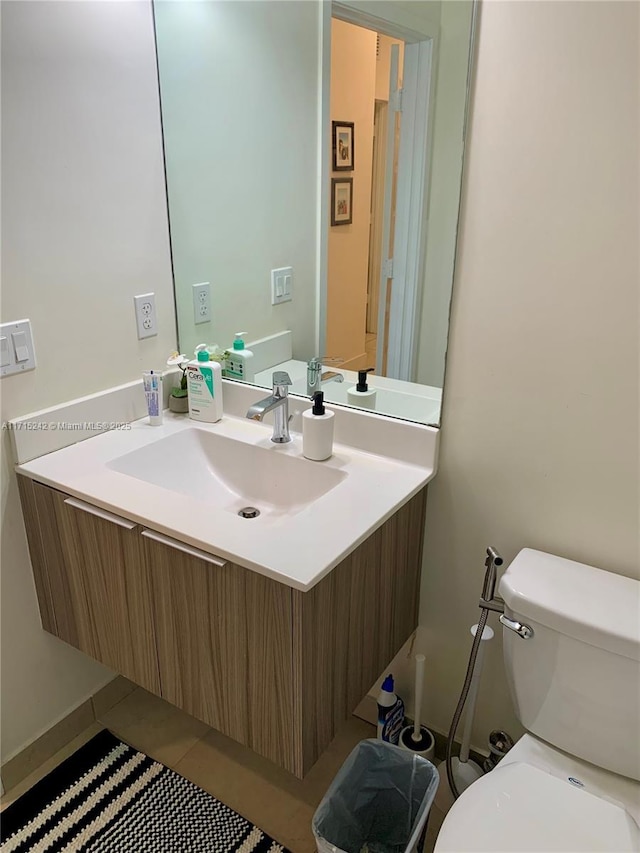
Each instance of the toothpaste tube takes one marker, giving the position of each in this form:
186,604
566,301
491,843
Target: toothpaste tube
153,392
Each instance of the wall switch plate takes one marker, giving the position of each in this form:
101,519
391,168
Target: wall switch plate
201,302
146,315
281,285
17,353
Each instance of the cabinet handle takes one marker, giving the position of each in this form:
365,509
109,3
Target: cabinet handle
187,549
101,513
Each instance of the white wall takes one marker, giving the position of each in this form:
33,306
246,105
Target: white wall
239,86
540,422
84,229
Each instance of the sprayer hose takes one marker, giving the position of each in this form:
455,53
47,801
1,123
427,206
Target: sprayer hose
463,698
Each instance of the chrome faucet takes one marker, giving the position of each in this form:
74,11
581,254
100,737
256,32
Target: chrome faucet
315,376
278,403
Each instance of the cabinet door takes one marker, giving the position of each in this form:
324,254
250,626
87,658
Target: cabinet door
201,633
92,583
225,644
48,561
110,590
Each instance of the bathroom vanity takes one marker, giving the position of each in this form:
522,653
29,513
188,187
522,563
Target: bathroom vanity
271,630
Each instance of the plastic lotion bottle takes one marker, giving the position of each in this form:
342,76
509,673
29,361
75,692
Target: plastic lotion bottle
317,430
361,394
239,362
204,386
390,713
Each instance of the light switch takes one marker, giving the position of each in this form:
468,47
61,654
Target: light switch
20,347
281,285
16,348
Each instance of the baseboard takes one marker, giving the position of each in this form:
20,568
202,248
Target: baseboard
21,765
110,695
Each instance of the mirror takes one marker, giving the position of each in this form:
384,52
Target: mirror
318,204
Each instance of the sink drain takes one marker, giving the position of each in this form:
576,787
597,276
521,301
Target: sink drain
249,512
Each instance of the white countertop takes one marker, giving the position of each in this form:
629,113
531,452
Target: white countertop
297,549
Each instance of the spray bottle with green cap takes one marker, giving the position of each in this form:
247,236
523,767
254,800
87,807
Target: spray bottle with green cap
204,386
239,361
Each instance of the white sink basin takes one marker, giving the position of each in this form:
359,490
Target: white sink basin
229,474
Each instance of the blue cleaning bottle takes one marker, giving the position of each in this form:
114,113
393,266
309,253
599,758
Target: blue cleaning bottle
390,713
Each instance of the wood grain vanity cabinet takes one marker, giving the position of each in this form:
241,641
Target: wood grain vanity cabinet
272,667
92,583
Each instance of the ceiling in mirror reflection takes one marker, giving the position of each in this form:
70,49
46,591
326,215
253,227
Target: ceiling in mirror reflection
249,162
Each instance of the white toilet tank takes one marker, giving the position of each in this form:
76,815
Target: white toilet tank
576,682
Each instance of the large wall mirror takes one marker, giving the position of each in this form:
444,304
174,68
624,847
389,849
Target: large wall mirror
314,159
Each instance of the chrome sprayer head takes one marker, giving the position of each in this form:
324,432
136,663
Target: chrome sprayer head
493,560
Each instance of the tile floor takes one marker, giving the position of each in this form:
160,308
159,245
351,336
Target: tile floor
263,793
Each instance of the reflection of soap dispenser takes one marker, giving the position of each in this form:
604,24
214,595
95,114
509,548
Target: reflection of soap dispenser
239,362
361,394
317,430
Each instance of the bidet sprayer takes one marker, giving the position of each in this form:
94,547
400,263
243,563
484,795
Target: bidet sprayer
493,560
489,600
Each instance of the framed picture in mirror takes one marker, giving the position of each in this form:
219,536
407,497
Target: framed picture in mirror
341,201
343,146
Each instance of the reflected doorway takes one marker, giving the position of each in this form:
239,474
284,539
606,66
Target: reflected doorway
364,82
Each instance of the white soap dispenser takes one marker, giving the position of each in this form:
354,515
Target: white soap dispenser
317,430
239,361
360,394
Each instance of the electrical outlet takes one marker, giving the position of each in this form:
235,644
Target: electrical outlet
281,285
145,306
201,302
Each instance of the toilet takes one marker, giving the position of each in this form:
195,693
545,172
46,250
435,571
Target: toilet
572,782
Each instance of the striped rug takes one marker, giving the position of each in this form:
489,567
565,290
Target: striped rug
109,798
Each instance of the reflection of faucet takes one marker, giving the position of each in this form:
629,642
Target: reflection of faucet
315,376
278,403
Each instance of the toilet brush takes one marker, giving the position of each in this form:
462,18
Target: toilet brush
417,738
465,771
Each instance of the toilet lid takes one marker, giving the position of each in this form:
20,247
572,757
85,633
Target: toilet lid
519,807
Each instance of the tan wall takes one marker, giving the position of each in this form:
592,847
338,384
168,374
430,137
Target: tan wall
353,77
540,423
82,178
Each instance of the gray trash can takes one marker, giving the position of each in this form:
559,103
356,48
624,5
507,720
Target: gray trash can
378,802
